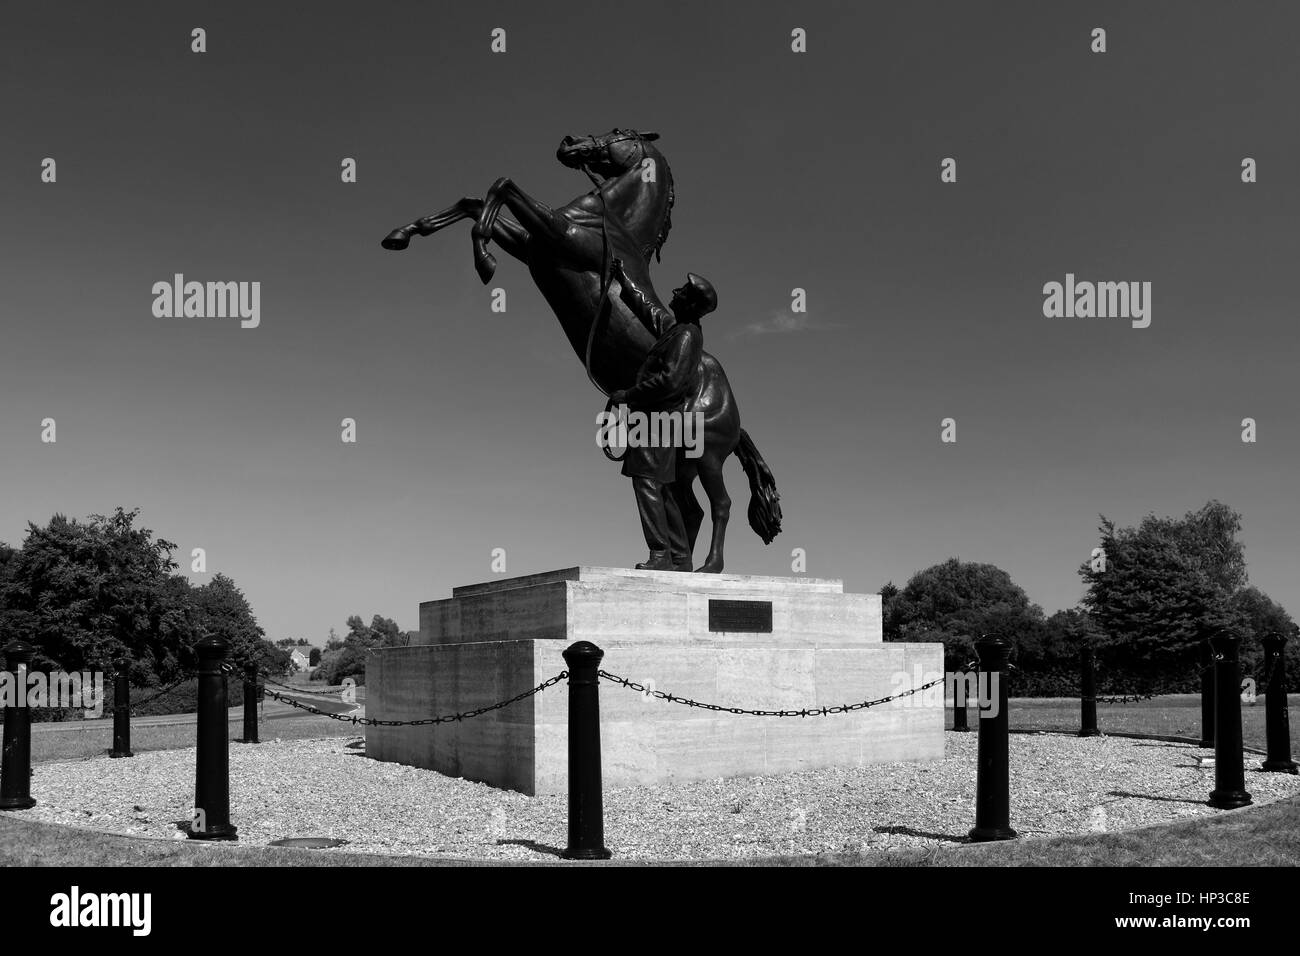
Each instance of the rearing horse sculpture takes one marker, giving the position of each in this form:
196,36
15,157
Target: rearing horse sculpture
567,251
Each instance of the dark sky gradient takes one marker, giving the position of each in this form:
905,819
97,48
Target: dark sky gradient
476,430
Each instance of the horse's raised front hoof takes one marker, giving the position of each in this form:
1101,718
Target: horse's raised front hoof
485,266
396,240
710,567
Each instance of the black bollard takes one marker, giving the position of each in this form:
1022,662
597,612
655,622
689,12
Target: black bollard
1088,693
586,802
211,814
959,723
16,760
1229,764
993,774
122,709
1207,695
250,705
1277,722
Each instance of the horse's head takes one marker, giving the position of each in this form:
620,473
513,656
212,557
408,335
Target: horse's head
614,154
610,154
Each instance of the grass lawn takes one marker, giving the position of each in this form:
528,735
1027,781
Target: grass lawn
26,843
1256,836
1175,715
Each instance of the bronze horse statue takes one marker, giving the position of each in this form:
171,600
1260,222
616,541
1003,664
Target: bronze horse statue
568,253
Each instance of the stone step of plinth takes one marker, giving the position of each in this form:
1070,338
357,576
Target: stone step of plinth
659,580
598,604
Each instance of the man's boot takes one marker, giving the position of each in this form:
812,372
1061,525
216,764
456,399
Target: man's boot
654,523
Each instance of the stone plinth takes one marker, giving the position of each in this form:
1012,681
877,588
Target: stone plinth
491,641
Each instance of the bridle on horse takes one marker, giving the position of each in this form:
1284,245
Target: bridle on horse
607,276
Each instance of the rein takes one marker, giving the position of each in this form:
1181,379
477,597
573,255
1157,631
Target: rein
607,277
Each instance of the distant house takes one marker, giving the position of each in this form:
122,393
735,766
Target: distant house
299,658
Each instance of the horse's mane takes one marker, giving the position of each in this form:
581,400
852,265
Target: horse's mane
668,222
655,247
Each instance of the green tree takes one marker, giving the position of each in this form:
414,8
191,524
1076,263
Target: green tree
1166,586
348,658
889,608
1257,616
380,632
222,611
955,603
86,593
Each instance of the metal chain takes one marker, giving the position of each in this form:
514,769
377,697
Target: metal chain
267,679
1268,677
1214,659
444,719
1135,698
166,690
300,690
804,712
1124,699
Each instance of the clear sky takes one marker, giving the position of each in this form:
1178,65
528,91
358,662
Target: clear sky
820,171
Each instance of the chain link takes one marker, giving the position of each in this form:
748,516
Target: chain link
1123,699
803,712
444,719
1197,670
365,721
1214,659
166,690
300,690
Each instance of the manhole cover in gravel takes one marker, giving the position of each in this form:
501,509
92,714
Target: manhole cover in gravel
308,843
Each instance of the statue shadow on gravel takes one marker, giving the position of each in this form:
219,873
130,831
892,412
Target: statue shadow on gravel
1124,794
533,845
926,834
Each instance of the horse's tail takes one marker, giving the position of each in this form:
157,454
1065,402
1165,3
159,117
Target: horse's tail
764,501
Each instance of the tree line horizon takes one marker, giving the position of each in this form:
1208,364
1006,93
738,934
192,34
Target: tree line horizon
87,593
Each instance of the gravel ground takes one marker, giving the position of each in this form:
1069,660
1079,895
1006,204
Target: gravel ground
293,788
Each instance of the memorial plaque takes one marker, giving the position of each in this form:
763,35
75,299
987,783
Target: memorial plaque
750,617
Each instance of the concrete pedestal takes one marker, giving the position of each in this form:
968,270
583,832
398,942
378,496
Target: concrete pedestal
670,631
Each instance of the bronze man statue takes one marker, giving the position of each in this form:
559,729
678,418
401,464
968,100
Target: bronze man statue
566,250
667,381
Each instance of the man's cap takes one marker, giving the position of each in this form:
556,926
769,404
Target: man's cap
703,290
